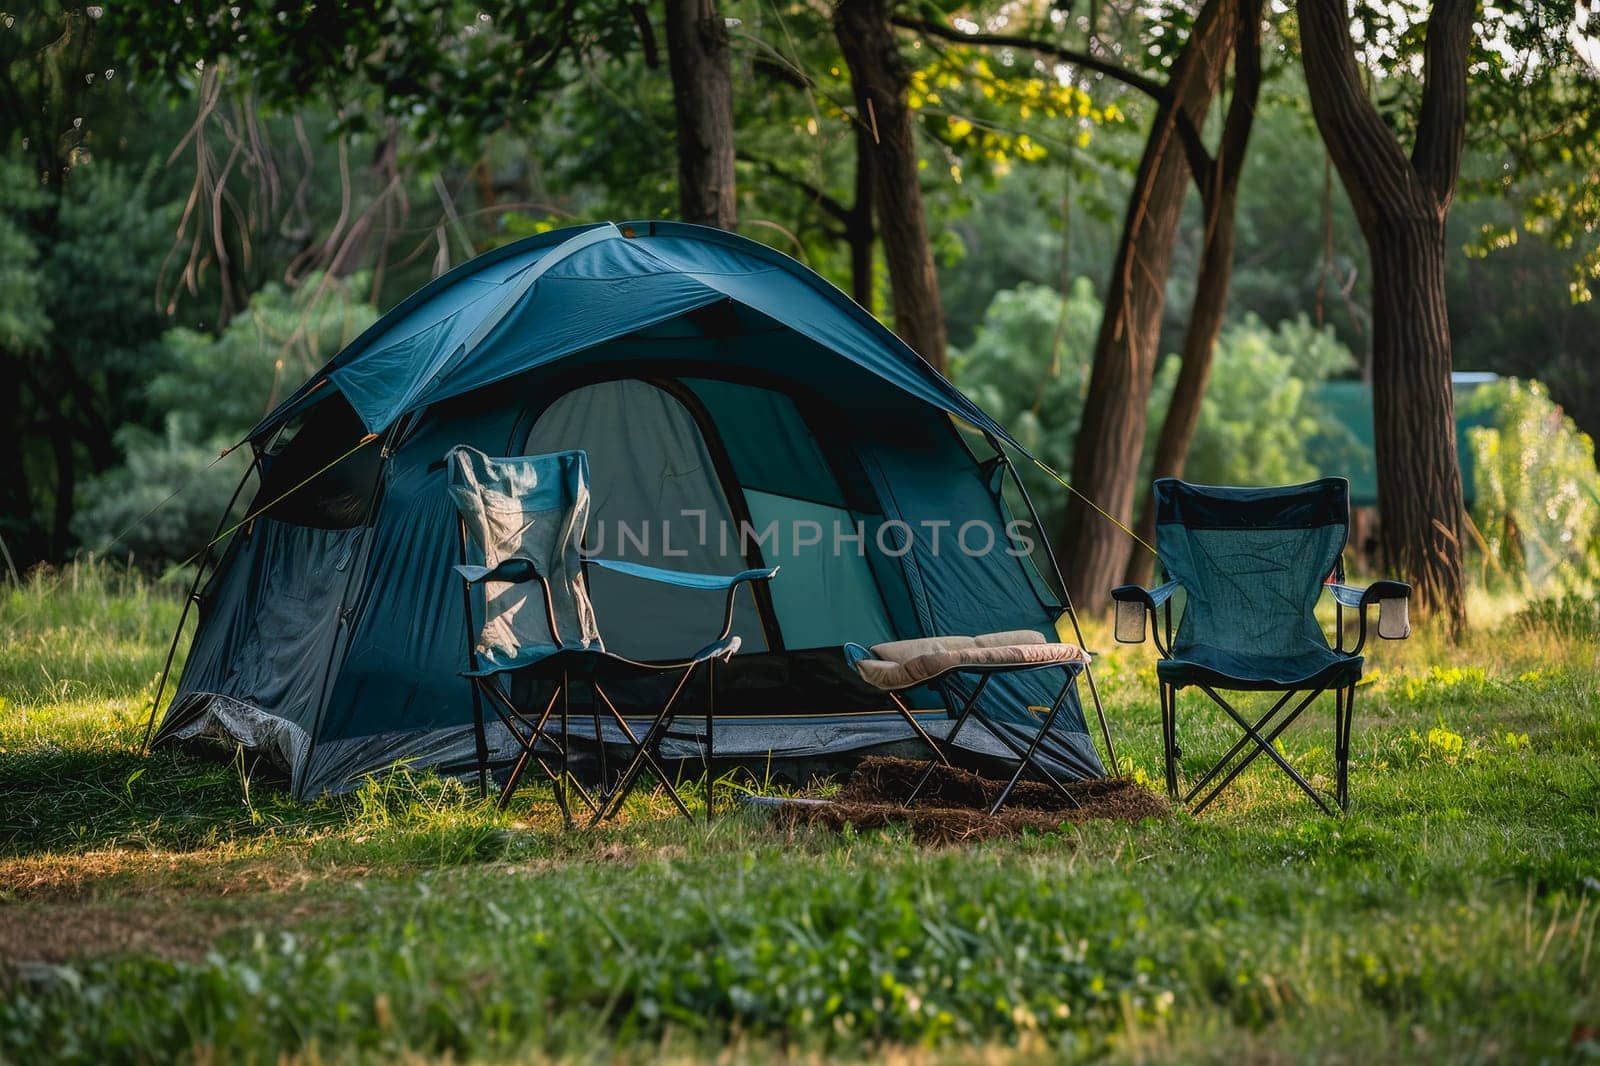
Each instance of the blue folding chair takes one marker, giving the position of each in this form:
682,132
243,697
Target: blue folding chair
521,523
1252,564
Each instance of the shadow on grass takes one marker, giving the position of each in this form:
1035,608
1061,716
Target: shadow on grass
78,798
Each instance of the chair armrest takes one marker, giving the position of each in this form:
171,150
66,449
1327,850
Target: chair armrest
854,653
1132,603
684,580
1378,591
1393,600
513,571
680,578
1151,598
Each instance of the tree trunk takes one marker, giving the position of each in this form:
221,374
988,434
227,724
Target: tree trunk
1402,204
1420,500
702,96
858,228
1105,462
1220,191
878,77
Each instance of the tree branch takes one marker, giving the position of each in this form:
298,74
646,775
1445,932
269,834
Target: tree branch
1378,177
1442,120
1246,90
1133,79
822,199
1193,147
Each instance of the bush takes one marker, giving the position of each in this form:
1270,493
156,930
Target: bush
1538,492
163,502
227,383
1259,410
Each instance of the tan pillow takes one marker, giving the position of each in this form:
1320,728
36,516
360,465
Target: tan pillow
899,651
1009,639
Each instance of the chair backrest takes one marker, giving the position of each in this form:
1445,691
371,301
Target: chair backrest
533,508
1251,561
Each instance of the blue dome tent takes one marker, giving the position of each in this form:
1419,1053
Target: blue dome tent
737,411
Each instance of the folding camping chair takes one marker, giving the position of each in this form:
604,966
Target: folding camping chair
524,517
900,666
1252,564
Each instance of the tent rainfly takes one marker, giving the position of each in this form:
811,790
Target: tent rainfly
737,411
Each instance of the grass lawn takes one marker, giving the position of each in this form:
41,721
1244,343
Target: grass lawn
169,906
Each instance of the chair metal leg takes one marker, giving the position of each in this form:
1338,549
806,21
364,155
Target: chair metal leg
950,737
1342,752
566,744
1264,745
1050,779
1022,764
1169,736
1239,745
599,734
711,739
510,716
481,740
916,727
643,757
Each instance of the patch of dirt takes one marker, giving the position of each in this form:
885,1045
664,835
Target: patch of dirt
173,928
953,806
124,874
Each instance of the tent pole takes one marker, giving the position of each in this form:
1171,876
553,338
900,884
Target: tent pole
188,600
1066,599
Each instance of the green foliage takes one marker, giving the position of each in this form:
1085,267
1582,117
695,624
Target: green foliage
161,505
1259,410
162,502
1538,492
1570,614
78,327
97,275
1029,366
453,72
23,323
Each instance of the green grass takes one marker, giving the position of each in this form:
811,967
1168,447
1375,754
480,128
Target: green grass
173,907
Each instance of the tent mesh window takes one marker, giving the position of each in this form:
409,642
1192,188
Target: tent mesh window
297,484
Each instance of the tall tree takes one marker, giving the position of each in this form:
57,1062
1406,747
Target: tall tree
879,80
1219,194
1401,202
1106,456
702,94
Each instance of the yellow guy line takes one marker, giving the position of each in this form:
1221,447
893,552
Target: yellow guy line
258,512
1103,512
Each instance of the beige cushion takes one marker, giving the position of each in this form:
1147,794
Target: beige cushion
887,674
1010,638
899,651
881,673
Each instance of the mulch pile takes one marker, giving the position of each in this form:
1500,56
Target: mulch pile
953,806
